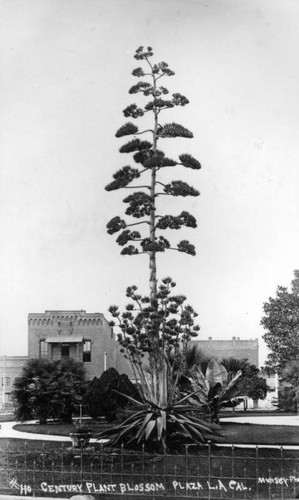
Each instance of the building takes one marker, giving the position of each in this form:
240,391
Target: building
234,348
10,369
82,336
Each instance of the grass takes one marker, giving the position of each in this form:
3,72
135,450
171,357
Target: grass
56,429
234,433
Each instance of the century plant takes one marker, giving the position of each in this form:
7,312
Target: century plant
157,328
162,420
151,163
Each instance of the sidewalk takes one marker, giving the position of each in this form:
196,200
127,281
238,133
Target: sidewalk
8,432
264,420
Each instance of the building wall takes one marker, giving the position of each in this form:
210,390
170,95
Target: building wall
73,328
234,348
10,368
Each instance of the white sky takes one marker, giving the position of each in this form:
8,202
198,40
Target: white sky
66,70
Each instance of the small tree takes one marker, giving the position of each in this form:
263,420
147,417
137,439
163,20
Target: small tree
281,322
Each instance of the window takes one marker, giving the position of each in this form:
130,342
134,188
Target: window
65,351
43,349
86,351
5,381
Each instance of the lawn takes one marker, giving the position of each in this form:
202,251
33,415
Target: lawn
234,433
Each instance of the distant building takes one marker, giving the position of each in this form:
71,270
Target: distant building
85,337
10,368
234,348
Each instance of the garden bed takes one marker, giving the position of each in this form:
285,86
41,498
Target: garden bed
234,433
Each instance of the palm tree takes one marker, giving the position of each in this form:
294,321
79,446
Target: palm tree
196,357
33,390
48,389
234,365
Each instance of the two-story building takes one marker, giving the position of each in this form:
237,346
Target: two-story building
82,336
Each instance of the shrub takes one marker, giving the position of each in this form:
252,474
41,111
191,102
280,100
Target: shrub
105,395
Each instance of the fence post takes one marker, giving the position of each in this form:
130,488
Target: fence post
81,461
257,470
281,471
233,467
186,464
121,462
210,468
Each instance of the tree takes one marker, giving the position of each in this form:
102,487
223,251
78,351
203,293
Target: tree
151,164
48,389
250,384
33,390
287,398
233,365
281,322
69,389
290,379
